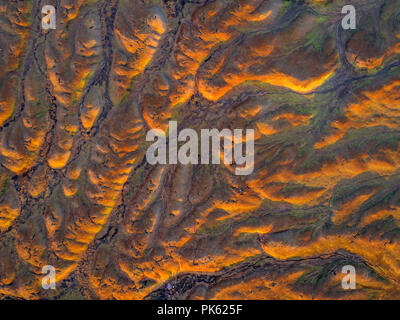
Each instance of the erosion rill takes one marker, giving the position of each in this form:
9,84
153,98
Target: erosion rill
78,193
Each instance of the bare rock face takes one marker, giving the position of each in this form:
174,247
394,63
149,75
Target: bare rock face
76,190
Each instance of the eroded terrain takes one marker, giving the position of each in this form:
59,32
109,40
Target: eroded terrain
77,192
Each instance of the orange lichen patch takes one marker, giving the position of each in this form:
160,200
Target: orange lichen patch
370,115
87,48
84,74
276,78
250,111
294,119
374,62
381,255
208,263
7,216
387,96
384,163
75,247
38,182
16,159
28,246
15,27
71,128
182,93
58,160
244,204
27,136
7,100
69,68
159,273
157,23
123,148
76,244
340,130
74,172
300,199
245,12
104,197
72,10
260,16
140,49
260,50
350,207
274,192
107,181
65,140
214,68
132,46
263,288
353,122
388,162
35,141
301,86
375,108
7,267
381,214
6,108
258,229
188,59
182,241
70,188
215,36
265,128
89,116
62,92
21,19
